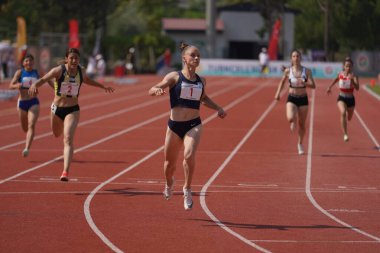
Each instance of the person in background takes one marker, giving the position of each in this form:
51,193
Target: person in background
28,106
100,67
297,103
264,60
131,62
348,82
65,108
91,67
187,93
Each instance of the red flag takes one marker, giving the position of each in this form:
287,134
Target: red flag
21,39
273,42
73,34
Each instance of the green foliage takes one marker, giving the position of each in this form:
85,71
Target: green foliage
353,23
308,24
375,88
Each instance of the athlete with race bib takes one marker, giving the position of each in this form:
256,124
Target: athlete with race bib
187,93
297,104
65,108
28,106
347,82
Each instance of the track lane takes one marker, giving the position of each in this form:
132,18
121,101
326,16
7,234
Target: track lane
92,167
137,195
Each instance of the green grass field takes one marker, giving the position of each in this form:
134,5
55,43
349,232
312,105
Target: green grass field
375,88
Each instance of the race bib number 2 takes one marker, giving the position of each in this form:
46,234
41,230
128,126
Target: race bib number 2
69,89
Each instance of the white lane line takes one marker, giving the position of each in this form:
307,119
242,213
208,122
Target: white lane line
87,203
373,94
86,107
318,242
308,180
367,130
109,115
129,129
219,170
83,108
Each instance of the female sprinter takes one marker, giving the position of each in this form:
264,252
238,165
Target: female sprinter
65,109
299,78
346,101
28,106
187,92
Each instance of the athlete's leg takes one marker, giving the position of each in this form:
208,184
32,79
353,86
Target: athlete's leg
33,114
291,114
70,125
23,116
56,125
343,115
172,146
302,115
191,142
350,112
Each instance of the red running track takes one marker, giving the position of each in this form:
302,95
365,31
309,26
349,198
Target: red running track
253,193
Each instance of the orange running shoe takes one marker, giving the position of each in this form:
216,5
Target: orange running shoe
65,176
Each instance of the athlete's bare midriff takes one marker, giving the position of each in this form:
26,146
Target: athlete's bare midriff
299,92
183,113
65,101
24,95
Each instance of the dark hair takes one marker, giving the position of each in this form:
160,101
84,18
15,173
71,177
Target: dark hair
295,51
30,56
72,50
348,59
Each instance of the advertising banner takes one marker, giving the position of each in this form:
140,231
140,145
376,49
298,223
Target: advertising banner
252,68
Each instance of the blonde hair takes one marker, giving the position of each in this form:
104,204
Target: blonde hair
183,47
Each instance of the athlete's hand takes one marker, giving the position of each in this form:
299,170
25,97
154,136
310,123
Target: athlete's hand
159,92
33,90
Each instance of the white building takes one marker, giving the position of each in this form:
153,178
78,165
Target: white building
236,29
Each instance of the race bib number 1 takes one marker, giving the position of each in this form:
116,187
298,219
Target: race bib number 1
191,92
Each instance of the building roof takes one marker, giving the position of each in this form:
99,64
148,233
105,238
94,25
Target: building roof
250,7
189,24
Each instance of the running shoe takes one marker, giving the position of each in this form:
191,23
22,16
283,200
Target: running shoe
25,152
65,176
168,191
301,151
345,138
187,200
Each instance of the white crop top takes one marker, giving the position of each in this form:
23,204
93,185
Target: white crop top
297,82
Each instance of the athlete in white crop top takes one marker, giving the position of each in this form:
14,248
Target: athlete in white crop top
347,82
299,79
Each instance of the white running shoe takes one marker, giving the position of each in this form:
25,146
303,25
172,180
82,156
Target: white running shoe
301,151
345,138
25,152
187,200
168,191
